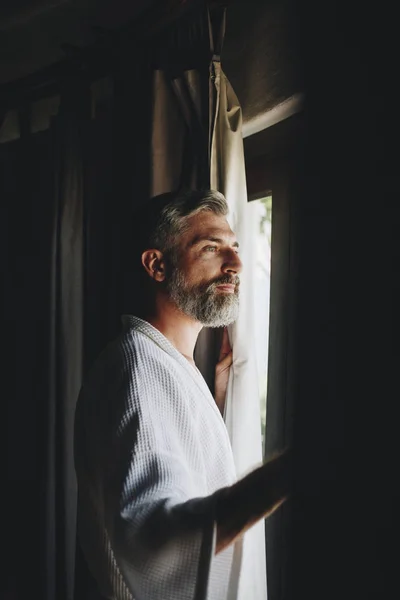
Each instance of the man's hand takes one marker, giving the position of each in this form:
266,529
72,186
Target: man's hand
252,498
222,371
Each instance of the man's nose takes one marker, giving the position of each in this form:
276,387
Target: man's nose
232,263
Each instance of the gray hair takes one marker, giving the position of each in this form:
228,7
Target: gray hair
173,217
158,223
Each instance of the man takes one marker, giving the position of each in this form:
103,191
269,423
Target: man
160,512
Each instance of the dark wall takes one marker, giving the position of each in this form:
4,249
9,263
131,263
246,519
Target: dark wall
32,33
259,54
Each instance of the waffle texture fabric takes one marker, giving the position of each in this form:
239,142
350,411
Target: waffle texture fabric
151,449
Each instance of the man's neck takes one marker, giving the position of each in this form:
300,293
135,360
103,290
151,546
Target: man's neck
178,328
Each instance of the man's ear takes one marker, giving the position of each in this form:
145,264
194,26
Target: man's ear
154,263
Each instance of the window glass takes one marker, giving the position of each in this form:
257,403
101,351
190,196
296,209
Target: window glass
262,218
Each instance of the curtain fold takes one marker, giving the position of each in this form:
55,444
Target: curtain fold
65,358
242,411
42,189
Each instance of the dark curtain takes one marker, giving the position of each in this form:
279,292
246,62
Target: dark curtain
66,328
68,201
42,192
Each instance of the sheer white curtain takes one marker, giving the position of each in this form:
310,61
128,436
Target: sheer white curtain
242,414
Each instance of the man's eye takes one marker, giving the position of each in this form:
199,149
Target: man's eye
210,248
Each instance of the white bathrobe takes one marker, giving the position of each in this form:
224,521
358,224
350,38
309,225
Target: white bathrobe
151,448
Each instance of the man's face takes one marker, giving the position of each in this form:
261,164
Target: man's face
203,281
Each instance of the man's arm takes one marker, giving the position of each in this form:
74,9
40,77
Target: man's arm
257,495
254,497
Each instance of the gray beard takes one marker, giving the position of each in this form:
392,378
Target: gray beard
202,302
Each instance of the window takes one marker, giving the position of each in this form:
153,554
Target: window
261,220
272,164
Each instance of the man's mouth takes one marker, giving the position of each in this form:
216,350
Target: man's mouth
228,288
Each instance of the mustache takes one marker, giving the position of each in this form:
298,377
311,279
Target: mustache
224,280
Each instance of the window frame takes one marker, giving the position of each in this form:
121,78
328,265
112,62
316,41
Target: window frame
270,169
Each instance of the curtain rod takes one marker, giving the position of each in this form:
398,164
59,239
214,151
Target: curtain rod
95,61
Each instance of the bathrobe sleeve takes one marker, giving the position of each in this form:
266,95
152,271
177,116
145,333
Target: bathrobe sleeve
160,526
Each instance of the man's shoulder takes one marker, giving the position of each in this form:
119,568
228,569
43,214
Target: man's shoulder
127,350
136,358
134,343
134,351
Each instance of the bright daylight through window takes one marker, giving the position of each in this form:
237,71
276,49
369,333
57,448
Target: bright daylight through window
261,219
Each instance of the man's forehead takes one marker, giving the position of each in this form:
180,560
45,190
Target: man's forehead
208,222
